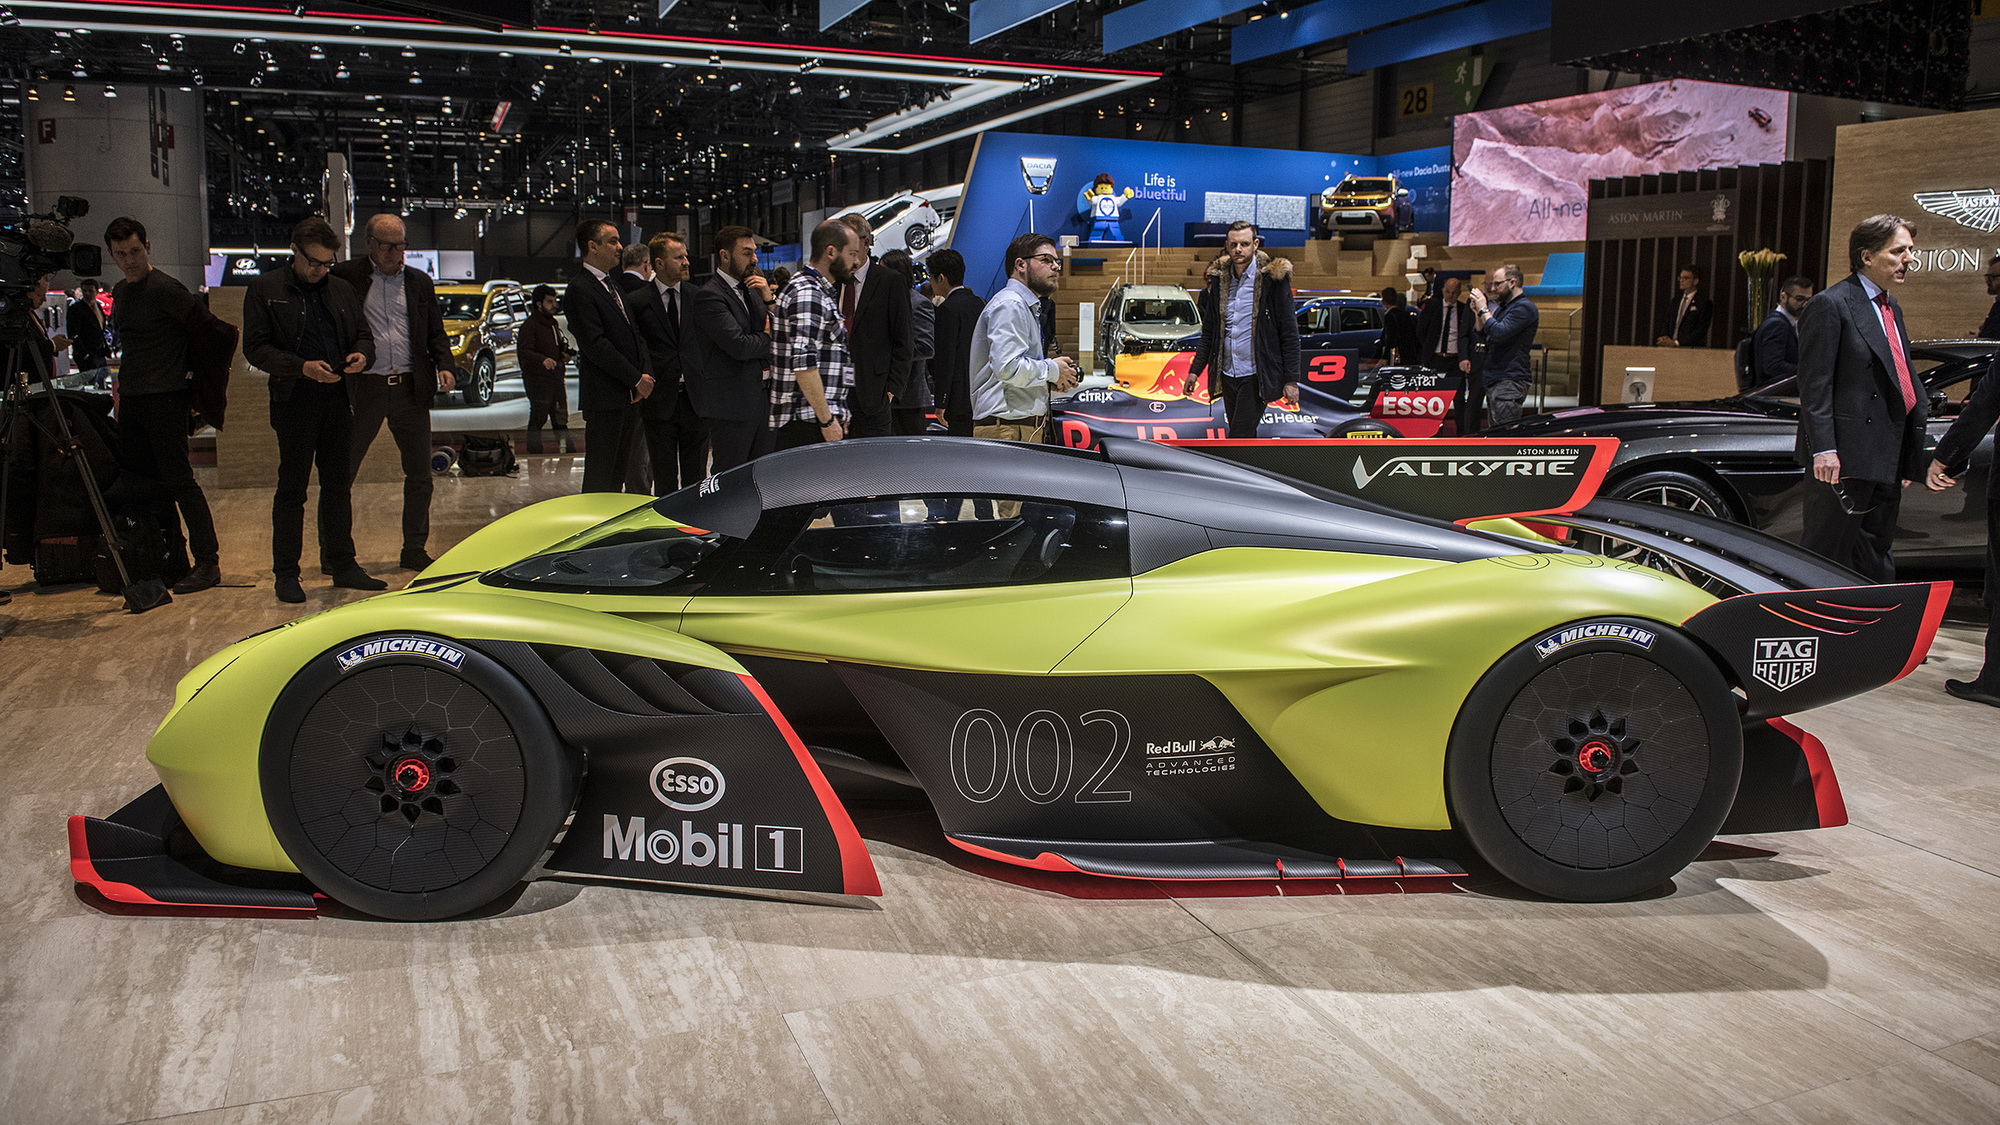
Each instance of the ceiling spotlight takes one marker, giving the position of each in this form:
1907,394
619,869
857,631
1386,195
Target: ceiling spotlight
714,59
161,63
845,92
459,214
315,52
794,87
238,47
8,18
340,70
256,80
69,93
198,79
110,91
78,72
416,79
408,53
562,48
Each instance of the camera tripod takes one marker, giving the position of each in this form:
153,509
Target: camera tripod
15,419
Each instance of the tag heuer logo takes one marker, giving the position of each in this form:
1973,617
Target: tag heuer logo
1978,209
1785,661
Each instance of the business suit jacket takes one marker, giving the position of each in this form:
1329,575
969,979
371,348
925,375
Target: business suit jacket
724,351
430,346
951,358
882,341
274,321
1849,402
1694,326
610,356
663,344
1431,322
1775,350
629,282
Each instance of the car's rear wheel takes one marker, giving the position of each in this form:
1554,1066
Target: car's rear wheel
1594,766
415,784
479,387
1672,489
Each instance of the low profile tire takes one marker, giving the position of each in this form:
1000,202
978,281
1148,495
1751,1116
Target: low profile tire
1599,772
1671,489
1364,427
479,388
410,789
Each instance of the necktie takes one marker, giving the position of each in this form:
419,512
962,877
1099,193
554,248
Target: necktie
847,303
674,315
616,299
1446,321
1903,381
1682,314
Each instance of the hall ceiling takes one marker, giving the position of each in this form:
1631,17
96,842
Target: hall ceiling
614,104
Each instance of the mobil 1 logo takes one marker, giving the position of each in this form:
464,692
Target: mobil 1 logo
692,785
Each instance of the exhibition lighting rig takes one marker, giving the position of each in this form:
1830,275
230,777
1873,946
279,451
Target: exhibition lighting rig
965,100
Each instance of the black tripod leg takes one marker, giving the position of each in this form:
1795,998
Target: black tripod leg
71,446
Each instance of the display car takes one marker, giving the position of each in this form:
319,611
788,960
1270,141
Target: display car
1733,458
1146,319
1139,661
1365,205
483,321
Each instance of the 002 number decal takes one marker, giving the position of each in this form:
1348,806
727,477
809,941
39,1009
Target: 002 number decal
1037,759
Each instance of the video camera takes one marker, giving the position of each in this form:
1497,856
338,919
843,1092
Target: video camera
34,247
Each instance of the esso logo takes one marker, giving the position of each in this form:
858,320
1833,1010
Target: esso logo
1413,404
687,784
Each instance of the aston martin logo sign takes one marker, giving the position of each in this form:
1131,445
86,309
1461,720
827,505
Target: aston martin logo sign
1978,209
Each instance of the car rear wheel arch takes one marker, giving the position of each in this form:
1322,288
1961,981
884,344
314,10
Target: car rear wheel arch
1687,478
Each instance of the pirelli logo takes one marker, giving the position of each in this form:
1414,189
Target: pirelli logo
401,646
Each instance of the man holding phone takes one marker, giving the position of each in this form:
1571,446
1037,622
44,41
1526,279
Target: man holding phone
1011,381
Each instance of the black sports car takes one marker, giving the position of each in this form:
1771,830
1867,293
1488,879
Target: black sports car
1732,457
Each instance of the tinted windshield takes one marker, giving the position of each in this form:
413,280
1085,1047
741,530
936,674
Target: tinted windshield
462,306
637,552
1355,185
1178,313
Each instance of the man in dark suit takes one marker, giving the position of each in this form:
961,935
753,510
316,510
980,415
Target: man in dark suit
1861,406
725,349
958,310
636,269
675,438
1990,329
90,336
1954,455
412,365
1684,323
1447,333
880,337
1774,350
613,371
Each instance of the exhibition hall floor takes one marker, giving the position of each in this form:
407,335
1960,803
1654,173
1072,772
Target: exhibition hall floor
1849,974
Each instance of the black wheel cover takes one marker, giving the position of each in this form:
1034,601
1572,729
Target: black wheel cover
410,789
1596,772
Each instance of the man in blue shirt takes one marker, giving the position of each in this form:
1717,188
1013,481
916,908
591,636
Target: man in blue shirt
1507,324
1011,376
1249,331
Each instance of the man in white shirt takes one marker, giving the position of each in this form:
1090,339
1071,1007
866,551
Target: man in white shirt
1011,381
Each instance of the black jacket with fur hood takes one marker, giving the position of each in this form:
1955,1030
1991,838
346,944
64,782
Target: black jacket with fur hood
1274,325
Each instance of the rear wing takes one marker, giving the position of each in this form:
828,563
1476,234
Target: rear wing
1456,479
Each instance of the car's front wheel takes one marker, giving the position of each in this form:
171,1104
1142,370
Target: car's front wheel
1672,489
1595,762
412,778
479,387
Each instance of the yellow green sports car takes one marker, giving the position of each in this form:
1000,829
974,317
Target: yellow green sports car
1137,661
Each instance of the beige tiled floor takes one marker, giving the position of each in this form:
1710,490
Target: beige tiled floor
1842,975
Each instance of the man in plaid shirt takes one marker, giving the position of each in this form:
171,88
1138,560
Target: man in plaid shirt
811,369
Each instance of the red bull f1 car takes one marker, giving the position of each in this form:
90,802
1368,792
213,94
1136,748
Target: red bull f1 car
1136,661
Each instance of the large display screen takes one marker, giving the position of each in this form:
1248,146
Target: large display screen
1522,174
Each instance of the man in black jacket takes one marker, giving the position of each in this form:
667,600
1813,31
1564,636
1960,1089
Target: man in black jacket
90,336
1249,331
675,437
1684,322
613,370
412,366
1861,408
1448,333
958,310
1990,328
1774,350
725,349
880,336
1954,454
305,329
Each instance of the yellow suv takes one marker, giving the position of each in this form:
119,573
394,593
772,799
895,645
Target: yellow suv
482,321
1365,205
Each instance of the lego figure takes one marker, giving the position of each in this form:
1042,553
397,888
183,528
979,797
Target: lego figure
1104,204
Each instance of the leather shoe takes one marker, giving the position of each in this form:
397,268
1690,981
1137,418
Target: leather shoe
289,589
200,578
1972,691
355,578
417,560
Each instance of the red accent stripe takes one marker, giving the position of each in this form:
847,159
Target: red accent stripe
84,871
1806,624
1043,862
1826,787
1843,620
857,870
1934,608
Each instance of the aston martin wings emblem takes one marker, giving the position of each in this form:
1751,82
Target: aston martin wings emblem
1979,209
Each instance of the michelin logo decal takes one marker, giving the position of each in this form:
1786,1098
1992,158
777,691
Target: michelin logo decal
1562,638
401,646
1522,465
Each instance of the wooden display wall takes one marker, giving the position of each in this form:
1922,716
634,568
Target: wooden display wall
1880,167
1628,281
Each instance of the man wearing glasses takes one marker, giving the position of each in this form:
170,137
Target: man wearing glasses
412,365
1991,329
1011,380
306,329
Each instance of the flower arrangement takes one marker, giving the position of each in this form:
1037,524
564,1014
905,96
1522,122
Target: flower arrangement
1760,266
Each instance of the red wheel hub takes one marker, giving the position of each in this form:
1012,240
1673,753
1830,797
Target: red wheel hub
412,775
1596,756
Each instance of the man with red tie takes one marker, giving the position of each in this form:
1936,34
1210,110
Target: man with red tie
1861,408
